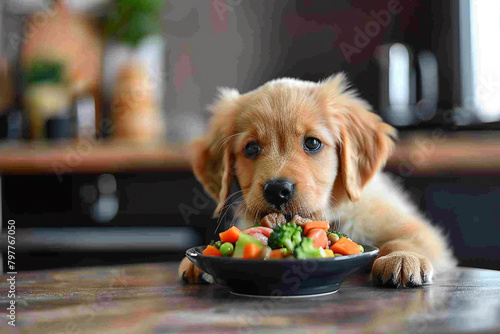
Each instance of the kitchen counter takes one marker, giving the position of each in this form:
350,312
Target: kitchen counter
147,298
416,153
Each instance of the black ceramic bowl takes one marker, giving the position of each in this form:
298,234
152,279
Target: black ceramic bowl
281,277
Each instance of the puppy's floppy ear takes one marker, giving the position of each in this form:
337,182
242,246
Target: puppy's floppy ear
211,156
365,141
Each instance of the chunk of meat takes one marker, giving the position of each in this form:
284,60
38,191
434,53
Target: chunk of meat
300,221
260,233
273,220
261,237
261,229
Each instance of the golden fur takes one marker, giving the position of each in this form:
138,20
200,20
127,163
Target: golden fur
342,181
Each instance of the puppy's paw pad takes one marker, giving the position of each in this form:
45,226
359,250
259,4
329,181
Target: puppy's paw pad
191,274
402,269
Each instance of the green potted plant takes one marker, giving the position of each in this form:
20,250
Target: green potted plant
130,21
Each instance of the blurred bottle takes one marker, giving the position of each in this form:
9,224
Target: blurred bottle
84,112
428,86
59,128
11,124
6,93
134,109
398,84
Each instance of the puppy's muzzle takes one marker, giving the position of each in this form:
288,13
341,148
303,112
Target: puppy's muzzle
279,192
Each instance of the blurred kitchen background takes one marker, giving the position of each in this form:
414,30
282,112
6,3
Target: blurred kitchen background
98,99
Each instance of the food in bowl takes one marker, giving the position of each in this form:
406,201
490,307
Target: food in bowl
296,239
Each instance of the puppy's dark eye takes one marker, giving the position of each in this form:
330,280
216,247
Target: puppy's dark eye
252,150
312,145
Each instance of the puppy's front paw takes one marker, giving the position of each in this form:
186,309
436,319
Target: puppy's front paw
191,274
402,269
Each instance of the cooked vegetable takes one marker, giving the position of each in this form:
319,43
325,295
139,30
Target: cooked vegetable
265,252
288,236
217,244
329,253
278,253
230,235
306,250
226,249
346,247
324,225
300,238
338,234
244,240
332,237
318,237
211,251
252,251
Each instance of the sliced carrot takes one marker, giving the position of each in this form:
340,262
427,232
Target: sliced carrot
319,238
230,235
345,247
324,225
252,251
276,254
212,251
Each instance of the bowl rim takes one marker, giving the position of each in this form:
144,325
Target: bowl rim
196,253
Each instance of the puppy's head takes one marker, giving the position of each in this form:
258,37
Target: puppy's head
293,146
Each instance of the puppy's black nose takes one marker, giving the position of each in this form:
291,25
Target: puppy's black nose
279,191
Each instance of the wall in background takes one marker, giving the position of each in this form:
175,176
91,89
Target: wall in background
217,44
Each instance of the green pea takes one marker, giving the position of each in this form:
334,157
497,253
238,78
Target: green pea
226,249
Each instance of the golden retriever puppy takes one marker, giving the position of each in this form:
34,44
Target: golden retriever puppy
315,149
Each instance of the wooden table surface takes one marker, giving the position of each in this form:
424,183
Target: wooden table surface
416,153
147,298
